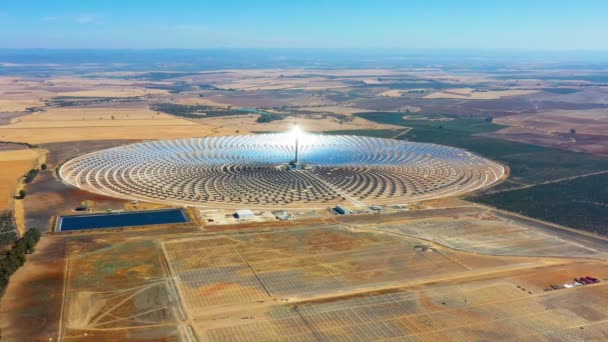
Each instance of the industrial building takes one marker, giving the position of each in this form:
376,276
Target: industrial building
342,211
244,214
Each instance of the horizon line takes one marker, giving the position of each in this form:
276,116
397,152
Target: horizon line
514,49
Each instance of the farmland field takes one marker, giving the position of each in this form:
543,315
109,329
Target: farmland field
13,165
579,203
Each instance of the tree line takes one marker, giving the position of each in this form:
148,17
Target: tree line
28,178
196,111
7,228
15,257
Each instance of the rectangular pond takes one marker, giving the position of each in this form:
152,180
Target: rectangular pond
121,219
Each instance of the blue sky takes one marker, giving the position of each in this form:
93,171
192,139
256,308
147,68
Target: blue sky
513,24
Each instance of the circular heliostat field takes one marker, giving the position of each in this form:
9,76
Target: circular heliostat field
261,171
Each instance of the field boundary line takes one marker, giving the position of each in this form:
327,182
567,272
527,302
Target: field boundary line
171,276
253,272
381,231
479,275
66,269
403,132
546,182
308,325
551,224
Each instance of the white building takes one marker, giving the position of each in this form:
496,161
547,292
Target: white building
244,214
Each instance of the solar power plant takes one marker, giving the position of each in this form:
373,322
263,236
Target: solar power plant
327,283
266,170
492,312
332,284
248,268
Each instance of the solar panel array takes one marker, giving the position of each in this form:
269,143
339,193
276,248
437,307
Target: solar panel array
246,170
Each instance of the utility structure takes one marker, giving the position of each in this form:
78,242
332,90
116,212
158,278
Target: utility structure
297,159
296,163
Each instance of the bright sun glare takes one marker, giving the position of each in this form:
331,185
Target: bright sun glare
296,131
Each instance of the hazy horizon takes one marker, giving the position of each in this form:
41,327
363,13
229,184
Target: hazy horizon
225,58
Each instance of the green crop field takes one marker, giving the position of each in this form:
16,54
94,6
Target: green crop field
561,91
204,111
579,203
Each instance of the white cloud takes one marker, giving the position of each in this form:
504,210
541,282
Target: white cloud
85,19
190,28
79,19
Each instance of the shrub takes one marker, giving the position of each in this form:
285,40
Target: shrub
268,117
29,177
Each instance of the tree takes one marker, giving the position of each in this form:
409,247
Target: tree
31,238
16,256
43,167
263,119
31,174
572,131
29,245
22,194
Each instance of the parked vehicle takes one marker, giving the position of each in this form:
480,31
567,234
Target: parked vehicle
594,280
